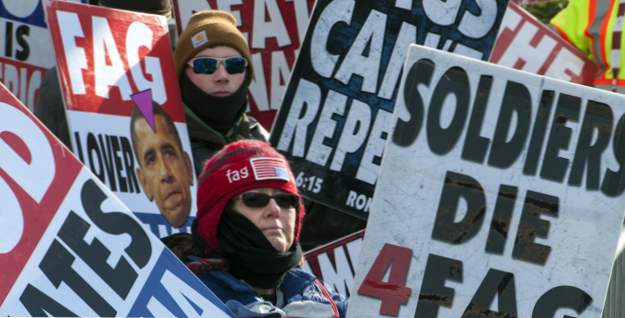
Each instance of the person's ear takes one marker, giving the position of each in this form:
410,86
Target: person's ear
145,185
187,163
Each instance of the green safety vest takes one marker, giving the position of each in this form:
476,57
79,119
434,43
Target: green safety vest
596,27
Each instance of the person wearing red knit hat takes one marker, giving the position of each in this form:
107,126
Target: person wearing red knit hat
245,238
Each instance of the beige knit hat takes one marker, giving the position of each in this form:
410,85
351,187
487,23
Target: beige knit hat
210,28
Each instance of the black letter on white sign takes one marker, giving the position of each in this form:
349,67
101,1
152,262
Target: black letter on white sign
496,283
433,291
458,186
116,223
406,132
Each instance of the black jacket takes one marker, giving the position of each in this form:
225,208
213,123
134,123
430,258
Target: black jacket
206,141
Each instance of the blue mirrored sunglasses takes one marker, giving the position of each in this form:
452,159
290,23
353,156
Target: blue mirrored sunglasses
208,65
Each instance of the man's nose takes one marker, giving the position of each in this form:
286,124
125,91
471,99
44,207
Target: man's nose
221,75
165,171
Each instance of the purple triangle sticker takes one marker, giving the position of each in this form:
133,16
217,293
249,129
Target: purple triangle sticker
143,101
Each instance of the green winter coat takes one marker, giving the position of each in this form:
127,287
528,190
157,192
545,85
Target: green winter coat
206,141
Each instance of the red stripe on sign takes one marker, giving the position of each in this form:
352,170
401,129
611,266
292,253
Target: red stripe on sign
52,171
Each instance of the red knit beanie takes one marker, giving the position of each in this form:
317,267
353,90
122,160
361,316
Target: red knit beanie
239,167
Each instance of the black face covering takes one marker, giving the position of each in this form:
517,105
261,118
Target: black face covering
250,255
219,113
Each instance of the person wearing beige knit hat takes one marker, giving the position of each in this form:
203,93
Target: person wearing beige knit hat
213,64
215,118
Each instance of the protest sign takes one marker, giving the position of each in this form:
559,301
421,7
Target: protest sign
496,184
71,248
124,109
335,262
25,54
336,112
527,44
25,48
273,29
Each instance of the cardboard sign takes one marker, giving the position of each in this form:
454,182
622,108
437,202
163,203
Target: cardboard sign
496,184
124,109
273,29
71,248
335,263
527,44
336,113
24,48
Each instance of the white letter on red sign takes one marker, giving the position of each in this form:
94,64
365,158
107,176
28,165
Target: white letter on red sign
271,26
105,75
139,35
74,55
34,172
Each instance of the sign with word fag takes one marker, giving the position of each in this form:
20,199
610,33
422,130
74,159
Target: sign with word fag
501,194
124,109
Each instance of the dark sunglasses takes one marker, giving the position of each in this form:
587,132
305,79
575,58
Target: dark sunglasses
260,200
208,65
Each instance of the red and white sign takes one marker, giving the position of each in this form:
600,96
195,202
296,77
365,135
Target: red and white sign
104,58
335,263
24,48
525,43
71,248
34,180
107,55
23,79
274,30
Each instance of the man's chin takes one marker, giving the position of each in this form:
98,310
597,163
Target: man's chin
177,220
177,214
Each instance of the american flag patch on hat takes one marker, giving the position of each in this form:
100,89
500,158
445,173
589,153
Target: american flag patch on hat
269,168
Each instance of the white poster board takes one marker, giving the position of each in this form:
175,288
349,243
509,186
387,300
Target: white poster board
25,48
500,195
